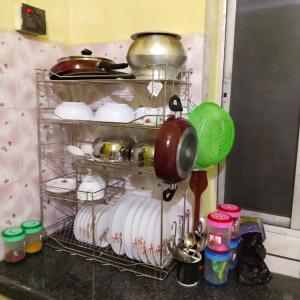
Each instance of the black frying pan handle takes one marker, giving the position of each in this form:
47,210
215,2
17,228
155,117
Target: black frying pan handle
175,103
169,193
110,66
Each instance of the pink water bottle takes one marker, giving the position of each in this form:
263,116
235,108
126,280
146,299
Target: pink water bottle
219,232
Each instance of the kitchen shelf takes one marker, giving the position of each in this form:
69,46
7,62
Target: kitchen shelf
182,78
55,134
95,163
60,237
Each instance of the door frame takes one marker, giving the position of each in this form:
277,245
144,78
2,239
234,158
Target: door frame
225,96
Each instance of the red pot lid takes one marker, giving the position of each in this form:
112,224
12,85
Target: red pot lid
230,208
219,217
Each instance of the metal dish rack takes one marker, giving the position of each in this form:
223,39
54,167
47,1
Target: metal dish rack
55,163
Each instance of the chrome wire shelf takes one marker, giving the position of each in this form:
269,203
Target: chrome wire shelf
98,164
157,72
60,237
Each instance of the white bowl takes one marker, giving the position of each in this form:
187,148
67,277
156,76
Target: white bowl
114,112
74,111
91,188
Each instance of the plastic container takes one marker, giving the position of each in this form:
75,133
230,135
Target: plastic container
234,212
14,244
233,251
219,232
33,230
216,267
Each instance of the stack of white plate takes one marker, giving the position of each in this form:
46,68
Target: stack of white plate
135,229
83,224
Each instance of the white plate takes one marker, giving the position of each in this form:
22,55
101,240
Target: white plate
89,228
83,222
149,234
135,229
75,225
148,213
117,222
102,227
61,185
97,219
126,233
157,238
83,210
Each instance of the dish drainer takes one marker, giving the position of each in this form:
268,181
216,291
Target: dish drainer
55,134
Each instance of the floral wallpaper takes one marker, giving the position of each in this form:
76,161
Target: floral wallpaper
19,57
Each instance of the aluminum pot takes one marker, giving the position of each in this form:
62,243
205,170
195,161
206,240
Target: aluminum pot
142,155
154,48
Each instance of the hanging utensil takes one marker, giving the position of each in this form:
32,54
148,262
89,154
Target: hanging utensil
175,150
198,184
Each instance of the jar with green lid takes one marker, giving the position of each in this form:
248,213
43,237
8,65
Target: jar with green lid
33,230
14,244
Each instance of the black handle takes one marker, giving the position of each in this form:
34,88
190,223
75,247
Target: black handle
175,103
110,66
86,52
169,193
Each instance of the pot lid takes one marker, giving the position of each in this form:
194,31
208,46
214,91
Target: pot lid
145,33
86,55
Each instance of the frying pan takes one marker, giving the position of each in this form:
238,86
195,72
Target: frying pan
88,66
175,150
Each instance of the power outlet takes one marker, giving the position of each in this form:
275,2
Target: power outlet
30,19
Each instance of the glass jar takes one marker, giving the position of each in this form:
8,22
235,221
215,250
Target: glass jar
216,267
233,251
33,230
219,232
14,244
234,212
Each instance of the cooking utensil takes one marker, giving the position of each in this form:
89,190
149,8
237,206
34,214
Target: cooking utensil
154,48
175,150
198,184
142,155
84,64
189,240
215,131
112,149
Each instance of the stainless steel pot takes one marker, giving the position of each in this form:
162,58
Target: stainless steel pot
152,48
113,150
142,155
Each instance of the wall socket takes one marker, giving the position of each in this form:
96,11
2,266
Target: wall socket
30,19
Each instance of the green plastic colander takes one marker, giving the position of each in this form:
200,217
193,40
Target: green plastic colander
215,130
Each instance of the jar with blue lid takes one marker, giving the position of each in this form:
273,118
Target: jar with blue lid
216,267
233,252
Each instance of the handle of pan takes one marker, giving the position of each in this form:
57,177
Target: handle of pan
110,66
175,103
169,193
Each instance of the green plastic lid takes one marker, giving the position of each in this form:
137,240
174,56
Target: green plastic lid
32,226
13,234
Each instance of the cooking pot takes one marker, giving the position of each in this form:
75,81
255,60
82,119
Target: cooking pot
142,155
86,65
154,48
175,150
112,149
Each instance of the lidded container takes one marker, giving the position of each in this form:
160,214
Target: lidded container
233,252
33,230
219,232
216,267
14,244
234,212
